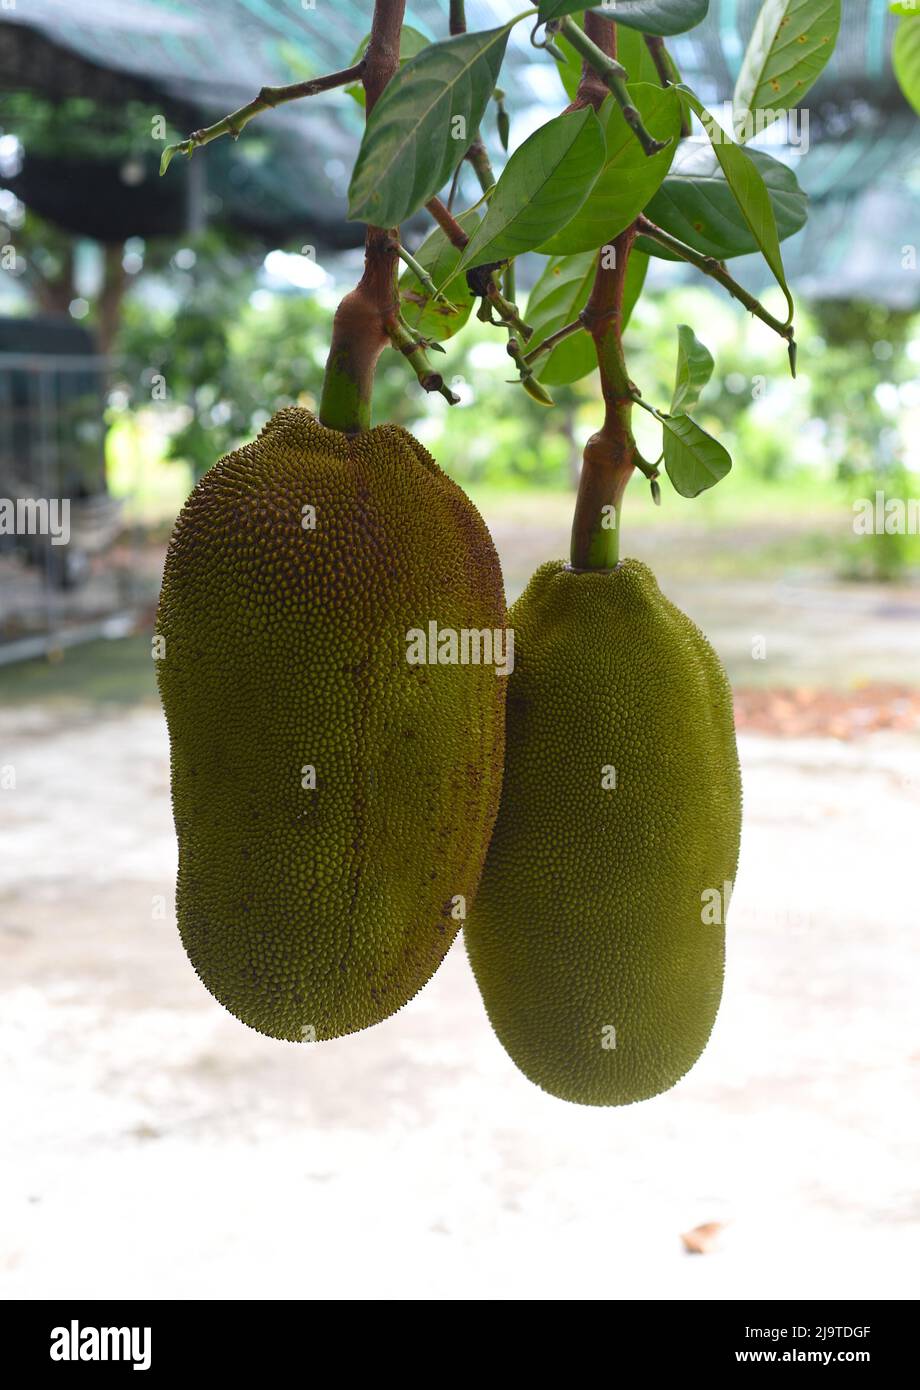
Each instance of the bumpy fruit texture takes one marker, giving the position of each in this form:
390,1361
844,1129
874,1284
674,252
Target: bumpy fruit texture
314,912
588,939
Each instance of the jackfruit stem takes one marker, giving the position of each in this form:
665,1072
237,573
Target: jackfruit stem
359,330
610,454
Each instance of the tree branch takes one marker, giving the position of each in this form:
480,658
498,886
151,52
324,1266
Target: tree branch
592,90
717,271
365,318
448,223
267,100
610,454
667,73
554,340
477,154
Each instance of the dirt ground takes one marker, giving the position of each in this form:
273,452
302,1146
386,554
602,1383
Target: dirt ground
154,1147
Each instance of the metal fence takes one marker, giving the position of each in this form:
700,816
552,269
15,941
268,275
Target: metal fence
63,578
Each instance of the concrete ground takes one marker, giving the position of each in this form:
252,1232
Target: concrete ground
154,1147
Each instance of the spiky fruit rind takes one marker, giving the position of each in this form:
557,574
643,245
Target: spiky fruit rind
314,911
597,938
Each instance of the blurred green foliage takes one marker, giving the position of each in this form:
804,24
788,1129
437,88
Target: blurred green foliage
228,353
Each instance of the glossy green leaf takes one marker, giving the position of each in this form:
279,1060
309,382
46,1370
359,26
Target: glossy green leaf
694,368
649,16
753,199
696,204
411,41
421,127
558,298
628,177
440,258
905,58
693,459
791,44
543,185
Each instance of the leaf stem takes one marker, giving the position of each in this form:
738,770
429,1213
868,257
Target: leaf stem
717,271
267,99
667,73
414,350
421,274
554,340
613,76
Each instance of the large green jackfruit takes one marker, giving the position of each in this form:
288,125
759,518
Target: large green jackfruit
597,938
296,570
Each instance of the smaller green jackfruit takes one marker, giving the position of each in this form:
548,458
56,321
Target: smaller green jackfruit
597,937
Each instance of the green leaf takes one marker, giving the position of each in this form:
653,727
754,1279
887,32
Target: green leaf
410,43
558,298
628,177
750,192
649,16
696,204
791,44
694,368
693,459
421,127
440,258
905,58
168,155
541,188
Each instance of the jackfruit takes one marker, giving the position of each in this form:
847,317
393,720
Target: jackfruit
597,937
332,801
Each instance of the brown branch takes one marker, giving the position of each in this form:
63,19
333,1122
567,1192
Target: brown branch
610,454
609,457
667,73
592,88
364,319
448,223
655,45
554,340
